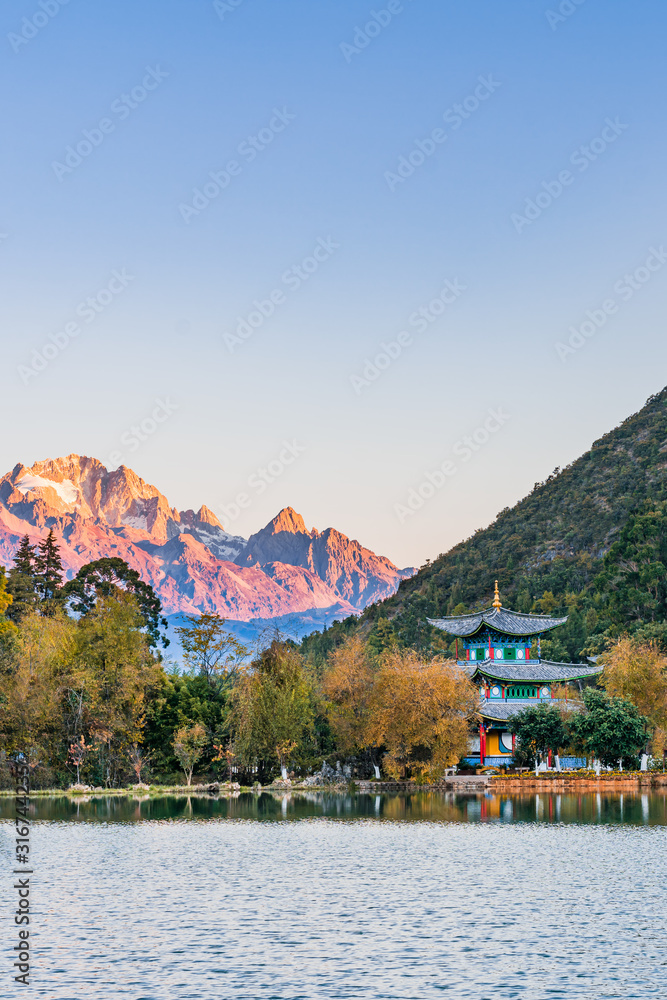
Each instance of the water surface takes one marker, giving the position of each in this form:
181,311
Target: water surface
432,899
433,806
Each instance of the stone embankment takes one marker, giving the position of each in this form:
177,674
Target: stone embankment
453,783
632,781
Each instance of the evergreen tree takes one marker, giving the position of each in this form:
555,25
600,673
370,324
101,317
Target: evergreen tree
610,729
538,728
110,577
48,571
22,583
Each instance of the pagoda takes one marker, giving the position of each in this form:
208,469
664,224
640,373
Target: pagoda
496,647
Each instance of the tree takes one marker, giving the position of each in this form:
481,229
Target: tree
227,754
33,682
108,577
284,751
273,702
610,729
421,713
77,754
22,584
634,573
208,649
139,759
189,743
538,729
48,571
112,674
637,671
347,684
382,637
177,701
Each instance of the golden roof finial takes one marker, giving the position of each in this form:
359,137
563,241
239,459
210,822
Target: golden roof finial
496,599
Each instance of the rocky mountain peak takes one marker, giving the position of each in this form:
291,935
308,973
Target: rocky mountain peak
287,520
206,516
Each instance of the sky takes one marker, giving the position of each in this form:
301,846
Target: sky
387,264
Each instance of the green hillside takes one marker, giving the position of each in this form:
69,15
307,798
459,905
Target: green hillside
590,541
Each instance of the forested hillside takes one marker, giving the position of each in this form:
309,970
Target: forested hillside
590,541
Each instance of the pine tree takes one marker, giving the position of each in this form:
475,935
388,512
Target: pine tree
22,583
24,560
48,570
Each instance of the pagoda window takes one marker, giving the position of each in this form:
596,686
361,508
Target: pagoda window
510,654
522,691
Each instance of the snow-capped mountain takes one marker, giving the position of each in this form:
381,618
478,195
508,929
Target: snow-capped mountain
192,563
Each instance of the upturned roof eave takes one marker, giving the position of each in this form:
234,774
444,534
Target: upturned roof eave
484,669
515,623
503,711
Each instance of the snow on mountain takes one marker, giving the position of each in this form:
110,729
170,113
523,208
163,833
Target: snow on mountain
66,490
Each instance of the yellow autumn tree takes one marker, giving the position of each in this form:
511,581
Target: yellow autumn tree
31,702
637,671
347,683
422,713
111,673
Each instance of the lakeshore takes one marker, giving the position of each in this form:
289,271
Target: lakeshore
527,781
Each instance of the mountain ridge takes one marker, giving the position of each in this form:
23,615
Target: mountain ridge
191,562
546,551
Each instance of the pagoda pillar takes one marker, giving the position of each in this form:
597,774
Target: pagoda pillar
482,743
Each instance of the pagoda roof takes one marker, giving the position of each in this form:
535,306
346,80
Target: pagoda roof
502,711
537,670
500,619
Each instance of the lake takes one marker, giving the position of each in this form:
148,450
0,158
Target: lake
340,896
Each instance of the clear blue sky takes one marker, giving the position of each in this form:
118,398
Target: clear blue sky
316,118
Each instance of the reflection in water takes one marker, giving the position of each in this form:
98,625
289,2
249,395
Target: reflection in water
429,806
